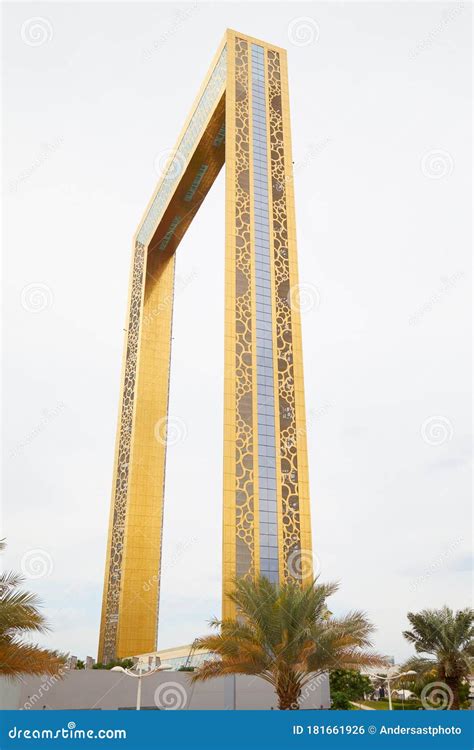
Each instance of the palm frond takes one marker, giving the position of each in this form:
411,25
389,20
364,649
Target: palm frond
20,614
18,657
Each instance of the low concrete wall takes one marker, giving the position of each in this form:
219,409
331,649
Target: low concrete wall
102,689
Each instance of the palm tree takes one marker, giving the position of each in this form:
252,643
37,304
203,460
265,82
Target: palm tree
19,615
286,636
448,638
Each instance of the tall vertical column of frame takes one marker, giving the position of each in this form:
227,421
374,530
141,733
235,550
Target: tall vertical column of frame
139,597
239,510
296,529
118,511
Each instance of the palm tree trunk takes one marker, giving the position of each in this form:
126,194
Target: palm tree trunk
453,685
288,701
289,694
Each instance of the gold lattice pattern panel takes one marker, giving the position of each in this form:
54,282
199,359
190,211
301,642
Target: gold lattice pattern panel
123,458
286,383
245,543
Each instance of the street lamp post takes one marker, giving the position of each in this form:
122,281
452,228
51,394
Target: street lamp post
392,674
139,676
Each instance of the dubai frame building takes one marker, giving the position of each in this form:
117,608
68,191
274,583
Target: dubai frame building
240,118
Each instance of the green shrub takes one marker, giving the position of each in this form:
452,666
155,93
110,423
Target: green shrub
340,702
125,663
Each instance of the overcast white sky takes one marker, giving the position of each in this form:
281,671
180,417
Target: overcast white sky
380,97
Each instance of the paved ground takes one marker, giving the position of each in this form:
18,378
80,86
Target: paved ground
364,708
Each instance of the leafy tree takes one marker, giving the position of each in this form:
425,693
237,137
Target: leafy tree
352,683
285,635
20,616
339,702
80,664
448,638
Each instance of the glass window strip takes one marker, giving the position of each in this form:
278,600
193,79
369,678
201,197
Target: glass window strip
263,324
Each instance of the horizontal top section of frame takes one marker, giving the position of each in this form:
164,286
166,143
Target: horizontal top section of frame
196,158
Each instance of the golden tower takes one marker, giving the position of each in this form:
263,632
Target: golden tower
241,118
